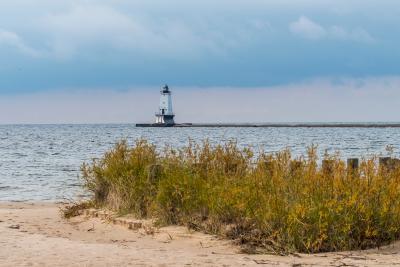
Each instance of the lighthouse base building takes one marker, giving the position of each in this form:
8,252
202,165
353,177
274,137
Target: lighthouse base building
165,116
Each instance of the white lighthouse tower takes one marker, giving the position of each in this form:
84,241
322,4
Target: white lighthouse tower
165,116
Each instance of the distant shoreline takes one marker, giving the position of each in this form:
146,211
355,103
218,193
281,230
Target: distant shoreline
275,125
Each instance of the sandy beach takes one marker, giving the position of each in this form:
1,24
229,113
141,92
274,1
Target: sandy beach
36,235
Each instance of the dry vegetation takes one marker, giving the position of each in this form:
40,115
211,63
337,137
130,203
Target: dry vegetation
268,202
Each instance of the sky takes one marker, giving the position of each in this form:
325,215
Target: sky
99,61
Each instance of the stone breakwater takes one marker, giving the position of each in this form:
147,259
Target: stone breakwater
276,125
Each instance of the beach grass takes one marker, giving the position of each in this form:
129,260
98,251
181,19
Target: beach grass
265,202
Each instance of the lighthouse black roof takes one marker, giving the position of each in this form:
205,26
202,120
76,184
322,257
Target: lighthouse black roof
165,89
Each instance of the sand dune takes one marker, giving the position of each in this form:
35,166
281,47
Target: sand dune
36,235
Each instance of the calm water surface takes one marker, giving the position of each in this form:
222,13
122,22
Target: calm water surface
41,162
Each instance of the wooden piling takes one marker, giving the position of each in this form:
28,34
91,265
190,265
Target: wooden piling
352,166
388,163
384,162
353,163
396,163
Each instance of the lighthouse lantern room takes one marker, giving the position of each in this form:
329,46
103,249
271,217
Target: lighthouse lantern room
165,115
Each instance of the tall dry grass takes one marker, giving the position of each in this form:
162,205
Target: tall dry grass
268,202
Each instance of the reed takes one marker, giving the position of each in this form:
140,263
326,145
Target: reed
267,203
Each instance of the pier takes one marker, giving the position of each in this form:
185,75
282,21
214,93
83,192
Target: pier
275,125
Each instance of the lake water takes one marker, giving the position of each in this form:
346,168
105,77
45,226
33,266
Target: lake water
42,162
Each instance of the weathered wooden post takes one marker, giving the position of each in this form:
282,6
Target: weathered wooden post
396,163
352,166
384,162
353,163
388,163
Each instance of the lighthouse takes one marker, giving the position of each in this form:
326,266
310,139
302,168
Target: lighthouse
165,116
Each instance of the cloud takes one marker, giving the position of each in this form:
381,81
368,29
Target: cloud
307,28
320,100
91,24
175,29
104,26
13,40
78,29
206,43
88,25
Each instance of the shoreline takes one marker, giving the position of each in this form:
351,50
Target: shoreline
35,234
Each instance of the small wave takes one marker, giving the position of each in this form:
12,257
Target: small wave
75,184
20,155
7,187
68,170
